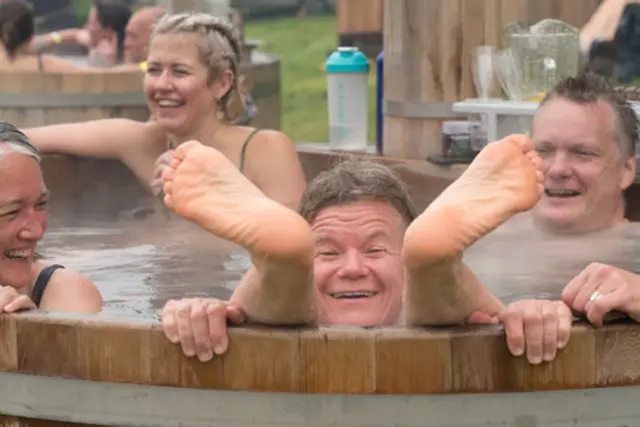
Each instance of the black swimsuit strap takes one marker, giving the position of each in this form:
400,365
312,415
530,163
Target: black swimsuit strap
41,283
244,148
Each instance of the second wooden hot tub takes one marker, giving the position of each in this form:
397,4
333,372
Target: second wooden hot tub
33,99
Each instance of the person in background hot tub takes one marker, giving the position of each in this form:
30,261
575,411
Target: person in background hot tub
136,39
103,35
138,33
191,80
26,283
17,32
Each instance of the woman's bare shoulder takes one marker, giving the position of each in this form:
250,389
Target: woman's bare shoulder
273,164
69,291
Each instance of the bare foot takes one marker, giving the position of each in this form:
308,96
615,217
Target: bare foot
503,180
202,185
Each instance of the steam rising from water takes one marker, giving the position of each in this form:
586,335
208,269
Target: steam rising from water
139,265
138,270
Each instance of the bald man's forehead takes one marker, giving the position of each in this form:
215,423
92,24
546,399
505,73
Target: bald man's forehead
148,15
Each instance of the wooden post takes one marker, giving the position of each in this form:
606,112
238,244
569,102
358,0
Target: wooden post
360,24
429,48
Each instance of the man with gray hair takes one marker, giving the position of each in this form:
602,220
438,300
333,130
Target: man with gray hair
586,135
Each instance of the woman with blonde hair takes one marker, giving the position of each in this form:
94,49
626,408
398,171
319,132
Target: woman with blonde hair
191,80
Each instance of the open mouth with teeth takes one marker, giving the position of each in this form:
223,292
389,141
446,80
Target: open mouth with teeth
169,103
352,295
18,254
561,193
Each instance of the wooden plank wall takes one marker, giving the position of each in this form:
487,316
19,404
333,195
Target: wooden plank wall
344,361
94,85
359,16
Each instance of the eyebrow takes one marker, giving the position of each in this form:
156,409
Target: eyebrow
377,234
324,239
579,144
374,235
172,64
45,193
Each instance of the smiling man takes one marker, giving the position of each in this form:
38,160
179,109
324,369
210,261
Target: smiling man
356,252
586,135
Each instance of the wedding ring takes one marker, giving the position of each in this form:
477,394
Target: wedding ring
594,296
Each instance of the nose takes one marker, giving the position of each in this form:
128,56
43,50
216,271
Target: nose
557,166
163,81
353,267
32,229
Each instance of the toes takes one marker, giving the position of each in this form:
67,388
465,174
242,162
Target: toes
536,160
521,141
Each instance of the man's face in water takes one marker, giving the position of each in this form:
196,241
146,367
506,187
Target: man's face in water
358,270
585,171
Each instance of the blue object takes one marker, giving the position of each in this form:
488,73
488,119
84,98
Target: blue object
379,98
347,60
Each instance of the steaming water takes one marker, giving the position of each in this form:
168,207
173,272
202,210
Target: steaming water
517,261
140,264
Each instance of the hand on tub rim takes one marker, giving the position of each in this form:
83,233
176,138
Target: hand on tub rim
538,327
603,293
199,325
11,301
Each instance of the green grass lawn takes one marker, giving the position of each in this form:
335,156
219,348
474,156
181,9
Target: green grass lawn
303,44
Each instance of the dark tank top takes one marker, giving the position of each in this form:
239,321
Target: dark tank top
243,154
244,148
41,283
243,151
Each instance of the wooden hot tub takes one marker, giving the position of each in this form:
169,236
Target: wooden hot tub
57,371
35,99
105,370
